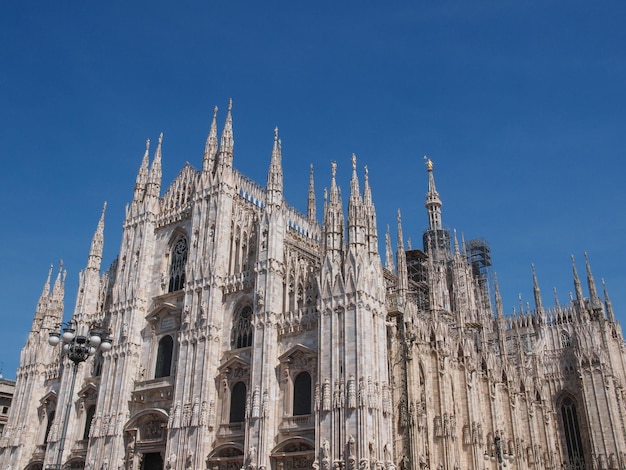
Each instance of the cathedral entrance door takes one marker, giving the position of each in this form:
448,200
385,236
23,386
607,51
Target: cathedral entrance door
152,461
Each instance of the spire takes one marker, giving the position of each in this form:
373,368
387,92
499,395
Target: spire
333,215
334,191
311,202
355,195
275,174
227,143
57,296
456,244
356,224
367,191
154,178
596,303
388,252
556,299
403,273
97,244
400,236
42,304
370,216
142,176
609,305
436,239
577,287
499,309
210,148
537,292
46,286
433,203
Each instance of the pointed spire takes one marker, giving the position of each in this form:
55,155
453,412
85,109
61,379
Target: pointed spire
355,195
596,303
46,286
556,299
367,191
210,148
275,174
400,236
537,292
388,252
333,215
499,309
227,143
58,294
403,273
577,287
609,305
334,191
97,244
154,178
311,201
433,203
456,244
142,176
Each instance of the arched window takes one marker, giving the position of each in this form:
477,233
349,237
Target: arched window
302,394
48,426
242,328
91,411
238,403
164,357
573,439
177,267
565,340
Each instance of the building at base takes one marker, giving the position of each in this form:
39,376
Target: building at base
247,335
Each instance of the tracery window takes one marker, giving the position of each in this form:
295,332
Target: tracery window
241,336
164,357
238,403
177,266
302,394
565,340
573,439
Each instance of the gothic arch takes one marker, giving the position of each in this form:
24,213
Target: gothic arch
574,435
242,331
179,251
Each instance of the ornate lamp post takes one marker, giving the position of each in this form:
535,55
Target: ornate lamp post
77,348
498,453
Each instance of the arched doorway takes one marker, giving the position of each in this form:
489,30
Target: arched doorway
226,457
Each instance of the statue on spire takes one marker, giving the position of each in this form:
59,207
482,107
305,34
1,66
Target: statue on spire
429,163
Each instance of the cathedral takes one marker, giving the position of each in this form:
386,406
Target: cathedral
243,334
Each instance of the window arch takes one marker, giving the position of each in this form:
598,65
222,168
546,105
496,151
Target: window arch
238,403
242,328
573,438
566,341
177,266
164,357
302,394
91,411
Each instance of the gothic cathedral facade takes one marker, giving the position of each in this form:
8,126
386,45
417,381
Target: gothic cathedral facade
247,335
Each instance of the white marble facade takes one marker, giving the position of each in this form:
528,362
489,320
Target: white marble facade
247,335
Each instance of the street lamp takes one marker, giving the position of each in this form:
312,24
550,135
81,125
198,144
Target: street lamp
500,455
77,348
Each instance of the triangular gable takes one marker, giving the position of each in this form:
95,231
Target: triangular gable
305,350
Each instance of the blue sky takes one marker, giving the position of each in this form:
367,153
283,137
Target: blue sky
520,104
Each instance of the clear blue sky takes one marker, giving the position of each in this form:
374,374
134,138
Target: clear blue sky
520,104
